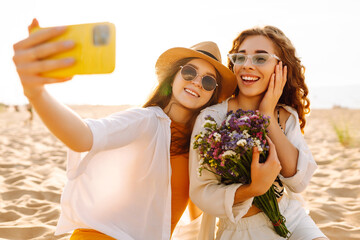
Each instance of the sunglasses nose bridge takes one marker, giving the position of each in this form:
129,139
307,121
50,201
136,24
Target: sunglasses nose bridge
248,61
197,80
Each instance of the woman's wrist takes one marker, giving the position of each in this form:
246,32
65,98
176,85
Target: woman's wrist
267,113
256,189
32,94
245,192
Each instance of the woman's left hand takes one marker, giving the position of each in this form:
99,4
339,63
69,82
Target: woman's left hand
274,91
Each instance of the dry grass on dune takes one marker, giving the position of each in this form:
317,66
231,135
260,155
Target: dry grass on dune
334,192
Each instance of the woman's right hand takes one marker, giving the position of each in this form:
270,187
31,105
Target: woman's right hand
30,58
264,174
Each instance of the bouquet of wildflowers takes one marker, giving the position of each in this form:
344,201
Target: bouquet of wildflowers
226,151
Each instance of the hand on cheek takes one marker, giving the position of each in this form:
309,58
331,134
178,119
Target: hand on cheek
274,91
280,79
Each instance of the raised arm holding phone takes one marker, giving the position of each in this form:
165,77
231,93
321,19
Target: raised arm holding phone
30,60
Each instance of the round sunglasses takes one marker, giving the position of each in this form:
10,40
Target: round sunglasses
189,73
256,59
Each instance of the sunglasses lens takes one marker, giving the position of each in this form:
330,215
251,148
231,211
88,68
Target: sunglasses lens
208,83
238,59
259,59
188,73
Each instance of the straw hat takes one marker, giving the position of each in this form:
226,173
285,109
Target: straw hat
208,51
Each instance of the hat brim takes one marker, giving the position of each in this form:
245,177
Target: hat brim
172,55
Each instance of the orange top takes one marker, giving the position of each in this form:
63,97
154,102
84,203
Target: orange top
179,159
85,234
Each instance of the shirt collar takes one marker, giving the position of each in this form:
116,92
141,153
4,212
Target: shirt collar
159,112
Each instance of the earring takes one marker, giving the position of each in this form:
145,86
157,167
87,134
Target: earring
166,90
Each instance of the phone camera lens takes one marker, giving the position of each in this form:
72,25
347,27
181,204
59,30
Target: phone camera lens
101,35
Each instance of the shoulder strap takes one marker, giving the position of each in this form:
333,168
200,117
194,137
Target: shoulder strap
278,118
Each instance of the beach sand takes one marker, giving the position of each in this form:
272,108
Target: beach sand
32,173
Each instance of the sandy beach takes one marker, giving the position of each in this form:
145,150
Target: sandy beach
32,173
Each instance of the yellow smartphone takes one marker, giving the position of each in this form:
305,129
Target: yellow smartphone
94,50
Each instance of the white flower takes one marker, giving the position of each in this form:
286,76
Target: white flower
228,153
245,133
217,137
258,144
241,142
227,120
244,118
232,133
208,122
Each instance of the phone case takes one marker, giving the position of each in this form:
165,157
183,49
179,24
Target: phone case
94,50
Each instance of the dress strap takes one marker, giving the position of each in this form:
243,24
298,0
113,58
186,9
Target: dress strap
278,118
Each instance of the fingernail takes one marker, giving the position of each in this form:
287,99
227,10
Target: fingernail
69,60
68,44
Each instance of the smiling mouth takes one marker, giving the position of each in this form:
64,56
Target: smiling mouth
249,79
191,92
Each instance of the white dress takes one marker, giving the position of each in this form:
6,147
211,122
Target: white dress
217,200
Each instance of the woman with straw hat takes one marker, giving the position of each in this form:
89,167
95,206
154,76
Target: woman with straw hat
132,181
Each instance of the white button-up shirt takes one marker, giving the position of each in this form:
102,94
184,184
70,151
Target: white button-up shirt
122,186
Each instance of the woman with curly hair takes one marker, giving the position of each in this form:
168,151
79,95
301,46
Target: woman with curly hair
270,78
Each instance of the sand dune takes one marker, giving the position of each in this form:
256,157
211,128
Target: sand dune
333,196
32,174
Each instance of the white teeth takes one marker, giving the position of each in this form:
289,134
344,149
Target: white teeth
248,78
191,92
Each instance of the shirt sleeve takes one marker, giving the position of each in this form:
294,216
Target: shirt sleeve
121,128
114,131
206,191
306,164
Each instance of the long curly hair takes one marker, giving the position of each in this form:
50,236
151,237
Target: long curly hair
295,93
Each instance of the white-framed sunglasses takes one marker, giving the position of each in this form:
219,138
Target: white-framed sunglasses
256,59
189,73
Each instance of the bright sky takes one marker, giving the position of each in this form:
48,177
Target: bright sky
324,32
